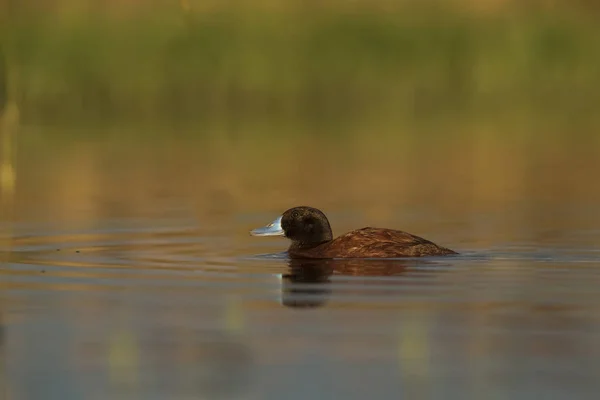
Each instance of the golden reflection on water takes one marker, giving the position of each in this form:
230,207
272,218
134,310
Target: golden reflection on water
123,359
457,178
8,173
414,355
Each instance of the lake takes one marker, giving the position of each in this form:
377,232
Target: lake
128,271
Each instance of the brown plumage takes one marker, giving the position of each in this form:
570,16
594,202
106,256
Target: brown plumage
312,238
371,243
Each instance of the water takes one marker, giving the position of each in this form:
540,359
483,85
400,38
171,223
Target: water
124,280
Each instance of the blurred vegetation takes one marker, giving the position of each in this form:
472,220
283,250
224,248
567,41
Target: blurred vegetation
3,82
324,66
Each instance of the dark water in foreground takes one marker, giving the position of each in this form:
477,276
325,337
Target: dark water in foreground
163,310
131,275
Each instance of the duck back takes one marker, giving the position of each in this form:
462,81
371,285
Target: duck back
373,243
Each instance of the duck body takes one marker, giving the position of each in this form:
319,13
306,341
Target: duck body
312,238
370,243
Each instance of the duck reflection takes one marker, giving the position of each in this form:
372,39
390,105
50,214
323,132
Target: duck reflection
308,283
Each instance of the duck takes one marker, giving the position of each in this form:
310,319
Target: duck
312,238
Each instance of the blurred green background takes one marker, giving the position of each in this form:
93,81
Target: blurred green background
325,64
370,104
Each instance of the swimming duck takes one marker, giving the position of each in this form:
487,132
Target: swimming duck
312,238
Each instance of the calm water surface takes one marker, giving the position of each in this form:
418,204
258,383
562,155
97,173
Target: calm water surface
154,300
